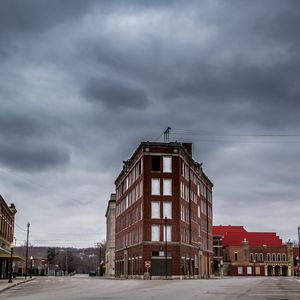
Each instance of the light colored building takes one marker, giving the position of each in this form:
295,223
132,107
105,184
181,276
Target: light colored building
110,236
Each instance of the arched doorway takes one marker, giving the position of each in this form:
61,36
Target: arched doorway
277,270
284,271
270,269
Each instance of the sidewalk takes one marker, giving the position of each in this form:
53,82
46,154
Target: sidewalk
4,285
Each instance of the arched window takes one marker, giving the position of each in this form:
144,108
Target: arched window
283,257
278,257
261,257
256,256
273,257
268,257
251,256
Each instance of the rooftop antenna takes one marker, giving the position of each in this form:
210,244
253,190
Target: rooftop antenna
167,135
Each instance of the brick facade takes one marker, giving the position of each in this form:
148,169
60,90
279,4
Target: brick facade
162,179
7,222
238,252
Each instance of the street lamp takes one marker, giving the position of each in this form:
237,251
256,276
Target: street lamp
11,262
31,259
166,248
254,272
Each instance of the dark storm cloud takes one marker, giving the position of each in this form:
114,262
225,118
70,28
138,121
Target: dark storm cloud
115,94
32,156
84,82
28,138
39,15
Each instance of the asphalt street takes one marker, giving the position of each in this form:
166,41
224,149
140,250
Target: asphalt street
85,288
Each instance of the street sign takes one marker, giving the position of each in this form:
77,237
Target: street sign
147,264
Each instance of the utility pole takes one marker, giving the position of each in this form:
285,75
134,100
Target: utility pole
298,251
26,262
66,263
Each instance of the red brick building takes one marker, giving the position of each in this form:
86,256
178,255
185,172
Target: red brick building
163,213
7,223
238,252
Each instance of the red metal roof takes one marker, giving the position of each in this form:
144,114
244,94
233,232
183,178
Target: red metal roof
235,235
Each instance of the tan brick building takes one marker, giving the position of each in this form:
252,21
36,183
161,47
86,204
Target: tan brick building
110,236
163,213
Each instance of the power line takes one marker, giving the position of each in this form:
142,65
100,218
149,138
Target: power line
20,227
213,136
213,133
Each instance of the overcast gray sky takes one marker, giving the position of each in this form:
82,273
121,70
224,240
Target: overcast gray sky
82,83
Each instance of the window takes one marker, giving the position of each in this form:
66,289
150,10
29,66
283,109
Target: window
249,270
167,187
273,257
240,270
169,233
155,186
155,210
156,163
268,257
154,233
167,210
261,257
251,256
283,257
198,188
235,256
167,164
278,257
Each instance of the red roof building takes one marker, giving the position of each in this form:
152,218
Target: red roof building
239,252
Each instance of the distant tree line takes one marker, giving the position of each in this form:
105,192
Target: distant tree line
69,260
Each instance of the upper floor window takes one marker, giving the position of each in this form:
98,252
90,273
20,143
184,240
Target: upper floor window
156,163
167,164
261,257
155,210
167,210
273,257
235,256
167,187
251,256
283,257
155,233
278,257
268,257
168,233
155,186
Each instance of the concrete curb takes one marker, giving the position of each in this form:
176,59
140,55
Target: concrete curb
15,284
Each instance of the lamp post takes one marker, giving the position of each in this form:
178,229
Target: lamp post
11,263
298,265
166,249
254,273
31,259
26,259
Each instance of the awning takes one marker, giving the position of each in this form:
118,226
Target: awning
15,257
